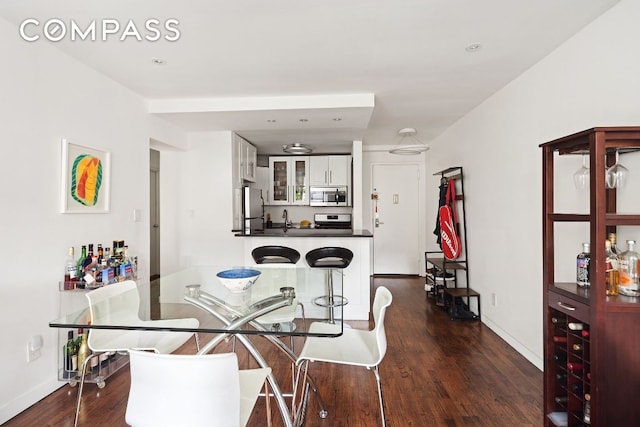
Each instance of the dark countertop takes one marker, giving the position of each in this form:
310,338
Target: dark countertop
307,232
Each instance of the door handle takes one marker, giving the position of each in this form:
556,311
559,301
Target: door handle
378,222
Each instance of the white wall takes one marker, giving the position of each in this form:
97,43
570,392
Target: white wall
47,96
591,80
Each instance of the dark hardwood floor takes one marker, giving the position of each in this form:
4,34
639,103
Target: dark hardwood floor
437,372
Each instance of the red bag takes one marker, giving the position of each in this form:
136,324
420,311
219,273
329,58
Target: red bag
450,240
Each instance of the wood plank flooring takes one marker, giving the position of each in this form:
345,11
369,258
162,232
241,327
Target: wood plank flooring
437,372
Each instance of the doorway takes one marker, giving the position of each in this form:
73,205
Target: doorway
154,214
396,218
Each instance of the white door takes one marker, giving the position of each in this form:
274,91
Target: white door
396,231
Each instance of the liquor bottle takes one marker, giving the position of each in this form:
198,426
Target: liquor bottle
83,349
70,351
100,253
70,275
582,263
614,244
611,270
628,280
80,268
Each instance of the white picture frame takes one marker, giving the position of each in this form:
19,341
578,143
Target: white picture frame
85,181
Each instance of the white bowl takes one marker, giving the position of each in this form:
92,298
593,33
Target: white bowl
238,279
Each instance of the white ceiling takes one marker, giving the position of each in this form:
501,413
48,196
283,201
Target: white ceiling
378,65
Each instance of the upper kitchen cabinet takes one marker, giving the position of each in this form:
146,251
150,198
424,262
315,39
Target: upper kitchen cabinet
289,180
330,170
246,158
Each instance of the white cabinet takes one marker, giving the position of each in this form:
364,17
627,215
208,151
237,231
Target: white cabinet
289,180
330,170
247,158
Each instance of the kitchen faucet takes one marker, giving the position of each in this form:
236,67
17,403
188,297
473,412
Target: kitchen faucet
285,215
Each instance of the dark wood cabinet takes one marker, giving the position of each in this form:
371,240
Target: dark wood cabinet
602,359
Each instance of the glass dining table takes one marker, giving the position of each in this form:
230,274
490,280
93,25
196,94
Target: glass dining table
278,304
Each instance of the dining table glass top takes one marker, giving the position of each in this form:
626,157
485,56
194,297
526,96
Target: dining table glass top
280,302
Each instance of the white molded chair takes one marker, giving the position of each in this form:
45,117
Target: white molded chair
118,304
191,390
353,347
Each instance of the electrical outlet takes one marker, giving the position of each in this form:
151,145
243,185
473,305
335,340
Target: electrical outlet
494,300
33,348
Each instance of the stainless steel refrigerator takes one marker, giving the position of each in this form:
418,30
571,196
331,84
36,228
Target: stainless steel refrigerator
252,210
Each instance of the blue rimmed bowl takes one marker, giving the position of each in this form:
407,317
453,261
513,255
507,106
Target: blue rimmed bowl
238,279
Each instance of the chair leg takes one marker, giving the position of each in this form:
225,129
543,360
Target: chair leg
80,388
377,373
267,402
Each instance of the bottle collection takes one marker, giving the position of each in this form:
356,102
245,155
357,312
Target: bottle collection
621,268
571,363
76,350
103,266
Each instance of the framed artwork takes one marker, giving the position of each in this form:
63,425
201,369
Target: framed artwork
85,179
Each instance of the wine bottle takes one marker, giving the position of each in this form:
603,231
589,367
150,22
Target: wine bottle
80,268
561,399
577,388
558,321
587,409
611,270
575,326
83,350
559,339
628,281
585,333
70,352
577,347
561,377
560,357
582,266
70,275
574,367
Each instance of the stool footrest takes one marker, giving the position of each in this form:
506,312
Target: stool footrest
325,301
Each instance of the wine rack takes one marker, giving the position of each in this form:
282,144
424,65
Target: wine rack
571,369
613,344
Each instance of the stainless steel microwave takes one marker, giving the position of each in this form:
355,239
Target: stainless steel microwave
328,196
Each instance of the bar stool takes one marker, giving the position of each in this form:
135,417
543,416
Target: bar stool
330,258
275,254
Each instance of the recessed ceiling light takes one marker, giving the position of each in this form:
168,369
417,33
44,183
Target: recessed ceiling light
158,61
271,120
473,47
337,119
303,120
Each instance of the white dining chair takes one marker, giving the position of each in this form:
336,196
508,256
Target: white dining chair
192,390
354,347
118,304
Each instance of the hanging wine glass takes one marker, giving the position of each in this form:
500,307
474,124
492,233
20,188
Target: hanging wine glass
616,175
581,177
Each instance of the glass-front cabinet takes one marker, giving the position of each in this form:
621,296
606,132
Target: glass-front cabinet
289,180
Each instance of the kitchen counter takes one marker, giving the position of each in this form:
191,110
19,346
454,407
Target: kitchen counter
307,232
356,277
